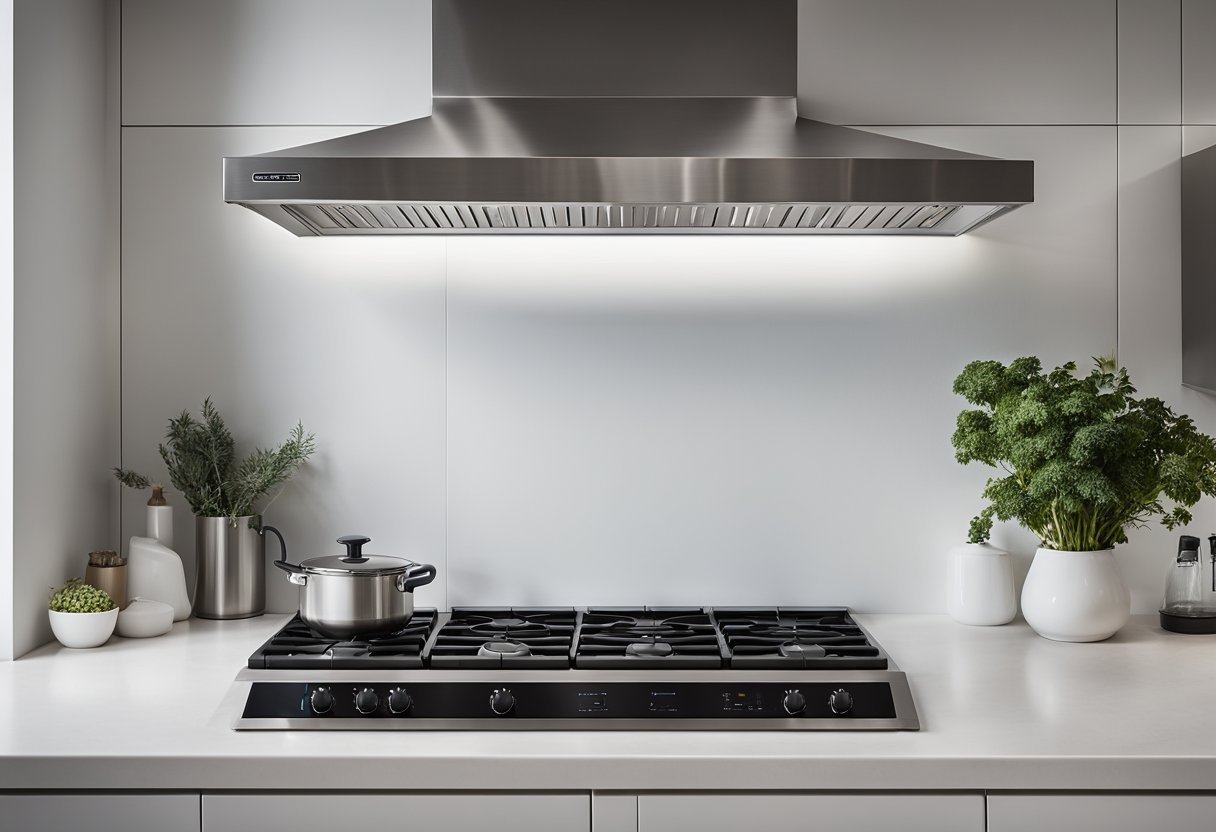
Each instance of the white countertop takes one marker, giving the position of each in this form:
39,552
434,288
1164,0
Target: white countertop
1000,708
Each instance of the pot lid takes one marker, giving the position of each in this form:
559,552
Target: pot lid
355,562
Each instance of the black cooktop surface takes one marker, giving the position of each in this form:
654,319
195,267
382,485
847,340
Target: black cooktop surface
618,638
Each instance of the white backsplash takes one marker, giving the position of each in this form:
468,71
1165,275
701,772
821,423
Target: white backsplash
659,420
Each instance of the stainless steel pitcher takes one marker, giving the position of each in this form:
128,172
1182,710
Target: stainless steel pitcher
231,575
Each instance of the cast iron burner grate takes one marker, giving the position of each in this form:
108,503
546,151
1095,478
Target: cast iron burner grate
796,637
297,646
648,637
488,637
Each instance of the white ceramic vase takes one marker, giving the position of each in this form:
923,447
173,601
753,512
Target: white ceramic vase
980,590
83,629
156,572
1075,596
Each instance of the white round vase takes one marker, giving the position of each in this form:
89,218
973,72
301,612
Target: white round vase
980,590
1075,596
83,629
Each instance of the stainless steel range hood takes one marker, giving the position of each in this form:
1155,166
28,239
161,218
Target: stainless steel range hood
505,153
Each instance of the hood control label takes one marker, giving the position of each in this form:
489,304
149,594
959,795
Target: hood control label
276,177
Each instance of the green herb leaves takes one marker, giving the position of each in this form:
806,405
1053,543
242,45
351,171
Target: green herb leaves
80,597
201,458
1084,459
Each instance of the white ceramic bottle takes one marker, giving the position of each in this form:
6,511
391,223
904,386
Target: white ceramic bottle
160,518
981,590
154,570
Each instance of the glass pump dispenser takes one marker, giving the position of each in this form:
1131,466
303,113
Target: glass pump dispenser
1190,589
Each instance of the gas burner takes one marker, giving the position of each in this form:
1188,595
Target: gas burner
649,648
297,646
507,626
479,638
679,637
504,648
502,624
785,637
794,649
658,625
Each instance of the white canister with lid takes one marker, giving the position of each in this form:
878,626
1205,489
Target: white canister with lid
981,590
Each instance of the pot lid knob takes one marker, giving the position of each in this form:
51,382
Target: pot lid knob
354,547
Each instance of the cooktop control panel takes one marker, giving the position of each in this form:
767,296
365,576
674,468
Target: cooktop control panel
417,702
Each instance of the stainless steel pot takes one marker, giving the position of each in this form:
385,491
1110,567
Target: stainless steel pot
356,594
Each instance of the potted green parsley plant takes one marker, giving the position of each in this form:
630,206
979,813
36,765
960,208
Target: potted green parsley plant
1081,461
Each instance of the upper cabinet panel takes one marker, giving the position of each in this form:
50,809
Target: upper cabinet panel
1198,62
957,61
1150,61
268,62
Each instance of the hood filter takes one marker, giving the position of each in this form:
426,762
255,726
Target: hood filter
797,218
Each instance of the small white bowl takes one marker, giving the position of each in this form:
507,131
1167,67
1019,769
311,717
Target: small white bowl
145,618
83,629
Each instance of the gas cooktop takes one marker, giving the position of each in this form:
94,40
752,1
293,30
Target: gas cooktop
537,668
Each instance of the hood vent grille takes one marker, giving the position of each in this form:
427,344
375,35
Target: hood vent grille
796,218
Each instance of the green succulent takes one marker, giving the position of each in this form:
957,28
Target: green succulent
81,597
1083,459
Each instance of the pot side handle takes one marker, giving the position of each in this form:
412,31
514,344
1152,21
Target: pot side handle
420,574
294,573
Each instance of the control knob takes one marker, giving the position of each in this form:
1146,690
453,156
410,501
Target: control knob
502,702
366,701
399,701
794,702
841,702
321,700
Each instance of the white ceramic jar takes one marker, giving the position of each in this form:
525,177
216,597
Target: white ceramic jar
145,618
981,590
1075,596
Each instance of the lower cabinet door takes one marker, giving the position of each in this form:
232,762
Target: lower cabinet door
1100,813
336,811
99,812
796,813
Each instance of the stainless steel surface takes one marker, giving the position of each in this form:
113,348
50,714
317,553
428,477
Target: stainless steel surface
592,151
905,709
231,569
709,165
356,594
348,605
638,47
1199,270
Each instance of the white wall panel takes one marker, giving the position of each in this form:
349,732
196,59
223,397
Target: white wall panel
6,330
750,420
1150,61
957,61
66,306
275,61
345,334
1150,317
1198,62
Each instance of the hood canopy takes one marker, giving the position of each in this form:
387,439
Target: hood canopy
553,163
